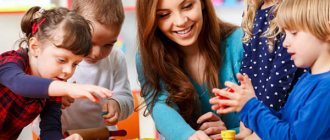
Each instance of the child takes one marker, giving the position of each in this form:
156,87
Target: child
265,61
184,51
104,66
57,41
305,114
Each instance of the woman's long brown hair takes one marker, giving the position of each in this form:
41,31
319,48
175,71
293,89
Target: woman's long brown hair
162,60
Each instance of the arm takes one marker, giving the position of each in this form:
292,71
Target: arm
13,77
121,91
50,125
307,125
167,120
233,52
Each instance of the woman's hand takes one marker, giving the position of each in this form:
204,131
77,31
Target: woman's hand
236,100
211,125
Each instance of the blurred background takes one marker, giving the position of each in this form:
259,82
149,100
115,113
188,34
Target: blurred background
11,12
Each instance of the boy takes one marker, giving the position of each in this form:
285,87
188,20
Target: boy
104,66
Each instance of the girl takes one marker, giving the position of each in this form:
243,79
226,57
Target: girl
185,50
307,27
57,41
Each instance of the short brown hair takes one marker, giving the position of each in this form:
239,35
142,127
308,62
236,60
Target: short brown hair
108,12
77,36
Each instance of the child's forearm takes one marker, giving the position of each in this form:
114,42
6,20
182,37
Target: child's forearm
22,84
58,88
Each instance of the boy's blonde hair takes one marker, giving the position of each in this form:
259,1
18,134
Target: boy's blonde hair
107,12
251,7
308,15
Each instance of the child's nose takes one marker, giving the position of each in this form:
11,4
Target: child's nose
96,51
68,70
286,42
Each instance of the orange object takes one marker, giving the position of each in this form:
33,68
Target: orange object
131,124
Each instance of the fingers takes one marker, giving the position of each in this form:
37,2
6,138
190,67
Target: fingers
226,110
213,127
209,116
216,137
112,119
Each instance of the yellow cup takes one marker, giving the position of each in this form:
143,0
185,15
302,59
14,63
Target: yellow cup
228,134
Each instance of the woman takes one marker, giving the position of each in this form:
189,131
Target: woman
185,51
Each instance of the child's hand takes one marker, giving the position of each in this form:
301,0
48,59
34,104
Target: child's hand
211,125
199,135
91,92
66,101
112,108
74,137
236,100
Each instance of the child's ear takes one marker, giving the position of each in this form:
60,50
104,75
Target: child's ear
34,46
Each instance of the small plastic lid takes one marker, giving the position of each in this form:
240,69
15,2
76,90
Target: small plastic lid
228,134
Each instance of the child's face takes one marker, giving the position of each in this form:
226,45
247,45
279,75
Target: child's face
104,37
52,62
180,20
304,48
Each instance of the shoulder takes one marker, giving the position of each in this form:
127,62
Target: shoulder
233,43
19,57
234,37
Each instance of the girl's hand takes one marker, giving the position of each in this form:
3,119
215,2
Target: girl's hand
93,93
74,137
211,125
199,135
112,108
236,100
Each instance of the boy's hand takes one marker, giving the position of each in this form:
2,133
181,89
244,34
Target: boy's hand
211,125
66,101
113,109
236,100
199,135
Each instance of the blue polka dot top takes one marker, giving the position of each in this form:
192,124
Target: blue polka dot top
271,72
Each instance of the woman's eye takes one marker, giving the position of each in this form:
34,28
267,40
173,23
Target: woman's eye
161,15
187,6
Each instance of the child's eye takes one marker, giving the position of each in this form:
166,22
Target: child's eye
75,65
108,46
60,60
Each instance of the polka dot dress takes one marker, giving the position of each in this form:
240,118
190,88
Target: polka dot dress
271,72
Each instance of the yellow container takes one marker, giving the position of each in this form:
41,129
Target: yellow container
228,134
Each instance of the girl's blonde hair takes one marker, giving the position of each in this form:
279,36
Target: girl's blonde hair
308,15
251,7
